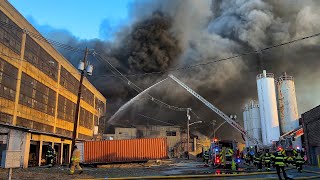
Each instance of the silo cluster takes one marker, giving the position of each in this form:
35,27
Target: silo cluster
277,103
252,123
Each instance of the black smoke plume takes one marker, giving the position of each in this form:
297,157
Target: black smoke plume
168,34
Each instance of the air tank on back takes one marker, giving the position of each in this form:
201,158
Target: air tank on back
268,108
287,105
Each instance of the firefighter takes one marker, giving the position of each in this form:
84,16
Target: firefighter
290,159
206,157
258,160
267,159
50,155
247,158
280,162
233,165
299,161
75,160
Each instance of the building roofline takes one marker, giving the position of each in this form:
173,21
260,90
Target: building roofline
37,132
310,110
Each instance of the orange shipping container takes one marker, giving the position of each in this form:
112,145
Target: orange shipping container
125,150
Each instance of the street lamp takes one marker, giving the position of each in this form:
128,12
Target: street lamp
188,128
85,68
233,117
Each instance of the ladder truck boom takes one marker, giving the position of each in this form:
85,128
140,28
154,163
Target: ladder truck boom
216,110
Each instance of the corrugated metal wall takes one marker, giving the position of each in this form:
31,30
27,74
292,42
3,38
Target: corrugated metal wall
311,125
125,150
311,122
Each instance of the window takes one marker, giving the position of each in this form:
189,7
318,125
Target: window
68,81
6,118
36,95
63,132
40,59
99,105
83,136
66,109
33,125
10,34
88,96
8,80
171,133
86,118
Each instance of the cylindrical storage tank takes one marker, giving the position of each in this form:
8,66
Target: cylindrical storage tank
287,105
245,122
268,108
254,112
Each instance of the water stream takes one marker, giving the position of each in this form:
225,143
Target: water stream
124,107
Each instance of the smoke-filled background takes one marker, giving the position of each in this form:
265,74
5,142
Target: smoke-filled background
169,34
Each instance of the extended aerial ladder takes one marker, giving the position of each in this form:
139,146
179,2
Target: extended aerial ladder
216,110
287,138
294,133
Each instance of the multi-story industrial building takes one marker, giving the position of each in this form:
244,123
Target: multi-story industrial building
38,95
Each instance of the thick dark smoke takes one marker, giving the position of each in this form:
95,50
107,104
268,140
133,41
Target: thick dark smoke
167,34
149,46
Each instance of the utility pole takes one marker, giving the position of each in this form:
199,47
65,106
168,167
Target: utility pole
81,67
188,129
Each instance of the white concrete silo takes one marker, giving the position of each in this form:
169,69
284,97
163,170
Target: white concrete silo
268,108
245,123
287,105
254,115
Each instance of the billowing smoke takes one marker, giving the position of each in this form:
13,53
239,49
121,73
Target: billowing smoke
168,34
149,47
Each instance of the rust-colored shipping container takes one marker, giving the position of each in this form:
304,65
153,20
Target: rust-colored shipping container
125,150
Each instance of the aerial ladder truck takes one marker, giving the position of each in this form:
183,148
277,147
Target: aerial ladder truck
216,110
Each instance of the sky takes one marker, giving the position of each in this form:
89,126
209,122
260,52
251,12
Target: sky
82,18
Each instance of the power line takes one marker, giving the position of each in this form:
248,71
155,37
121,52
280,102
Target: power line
222,59
137,88
41,38
74,49
155,119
